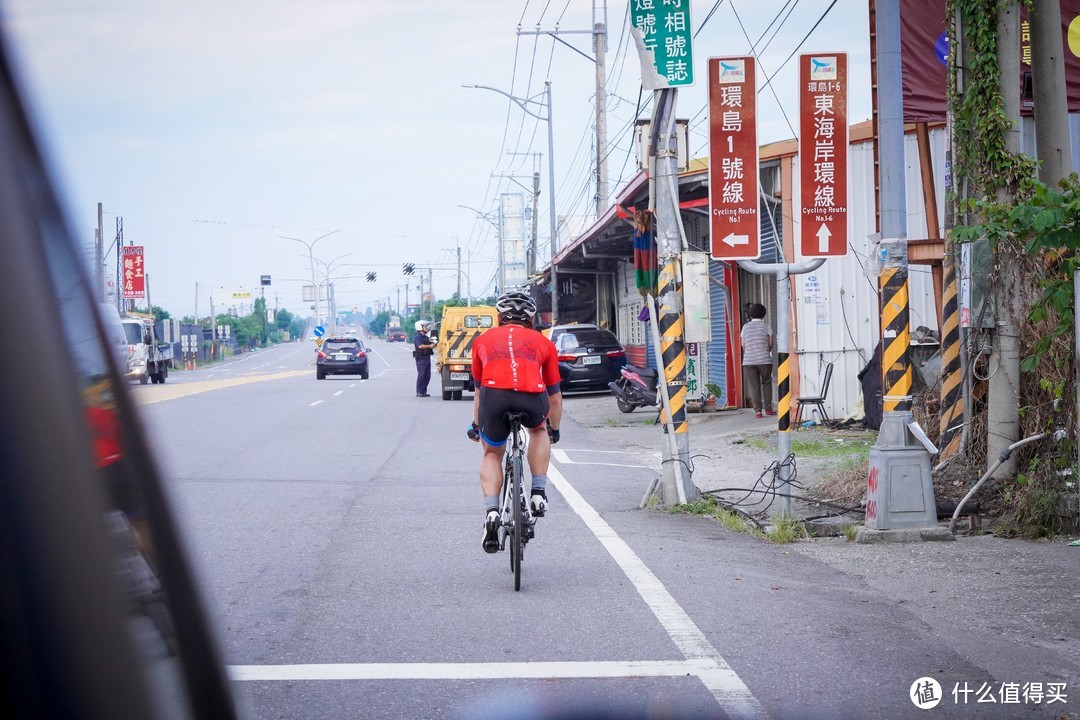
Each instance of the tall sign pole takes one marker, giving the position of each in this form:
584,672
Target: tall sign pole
736,222
662,34
900,491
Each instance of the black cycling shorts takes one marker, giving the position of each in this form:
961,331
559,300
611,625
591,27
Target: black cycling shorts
495,403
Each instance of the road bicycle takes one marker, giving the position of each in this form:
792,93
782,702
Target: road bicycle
517,521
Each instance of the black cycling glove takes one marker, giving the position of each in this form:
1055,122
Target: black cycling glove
473,432
553,434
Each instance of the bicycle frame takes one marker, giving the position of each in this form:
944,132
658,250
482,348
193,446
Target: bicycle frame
515,454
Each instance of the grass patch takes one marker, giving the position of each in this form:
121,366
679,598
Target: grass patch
849,532
759,444
831,447
787,530
709,507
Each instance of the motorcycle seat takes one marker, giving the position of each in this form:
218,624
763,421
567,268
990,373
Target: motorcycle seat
643,372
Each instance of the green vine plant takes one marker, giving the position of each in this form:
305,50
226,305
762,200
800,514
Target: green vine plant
1037,228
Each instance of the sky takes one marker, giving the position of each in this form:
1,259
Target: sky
217,130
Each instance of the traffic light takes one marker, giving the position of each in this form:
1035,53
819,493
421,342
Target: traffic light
371,277
408,268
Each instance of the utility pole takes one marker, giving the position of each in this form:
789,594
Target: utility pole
99,258
599,34
430,288
1003,407
458,270
666,321
900,490
422,302
599,50
119,242
1051,104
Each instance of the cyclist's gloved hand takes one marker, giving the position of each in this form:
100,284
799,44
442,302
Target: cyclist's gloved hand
553,434
473,432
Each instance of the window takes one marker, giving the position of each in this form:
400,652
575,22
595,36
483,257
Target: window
478,321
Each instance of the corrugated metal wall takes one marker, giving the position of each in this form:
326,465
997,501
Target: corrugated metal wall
716,357
836,307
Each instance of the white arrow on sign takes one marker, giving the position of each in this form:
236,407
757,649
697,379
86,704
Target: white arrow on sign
732,240
823,235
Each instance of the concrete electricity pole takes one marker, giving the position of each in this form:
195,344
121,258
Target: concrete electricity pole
1051,104
1003,406
458,270
99,258
666,321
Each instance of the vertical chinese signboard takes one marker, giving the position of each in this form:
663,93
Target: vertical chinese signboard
134,280
733,159
823,149
512,232
665,29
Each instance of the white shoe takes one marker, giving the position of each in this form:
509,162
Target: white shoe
538,504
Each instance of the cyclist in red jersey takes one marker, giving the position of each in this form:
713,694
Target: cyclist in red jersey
514,368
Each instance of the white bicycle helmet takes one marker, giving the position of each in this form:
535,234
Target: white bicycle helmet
516,305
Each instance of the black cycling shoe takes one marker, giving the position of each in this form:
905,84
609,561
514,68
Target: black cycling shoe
491,531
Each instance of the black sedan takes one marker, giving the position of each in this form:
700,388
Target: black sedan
342,356
589,358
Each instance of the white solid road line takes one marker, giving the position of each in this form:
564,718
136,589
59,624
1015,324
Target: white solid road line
318,402
728,688
562,457
701,658
471,671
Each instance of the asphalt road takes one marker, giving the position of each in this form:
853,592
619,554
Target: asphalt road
336,527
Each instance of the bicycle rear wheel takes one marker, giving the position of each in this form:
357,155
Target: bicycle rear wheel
518,527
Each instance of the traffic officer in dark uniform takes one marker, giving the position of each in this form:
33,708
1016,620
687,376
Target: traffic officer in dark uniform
423,349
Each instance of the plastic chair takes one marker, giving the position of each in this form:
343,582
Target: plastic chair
818,400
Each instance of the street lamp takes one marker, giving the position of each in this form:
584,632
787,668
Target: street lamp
524,105
483,216
328,267
311,252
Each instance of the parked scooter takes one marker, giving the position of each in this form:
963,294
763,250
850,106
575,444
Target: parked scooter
636,388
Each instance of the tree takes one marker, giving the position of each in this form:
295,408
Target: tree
283,319
377,325
159,313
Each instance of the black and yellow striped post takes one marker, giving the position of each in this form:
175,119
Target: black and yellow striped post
783,390
951,415
900,502
895,340
672,347
900,490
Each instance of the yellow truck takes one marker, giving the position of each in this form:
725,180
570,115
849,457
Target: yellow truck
458,330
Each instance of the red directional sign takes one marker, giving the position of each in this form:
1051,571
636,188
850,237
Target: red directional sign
733,159
823,149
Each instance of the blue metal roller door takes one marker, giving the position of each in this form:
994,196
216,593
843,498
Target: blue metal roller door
716,372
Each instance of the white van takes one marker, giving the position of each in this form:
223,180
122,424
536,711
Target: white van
114,334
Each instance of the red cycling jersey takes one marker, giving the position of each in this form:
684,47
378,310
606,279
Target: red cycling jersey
512,357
